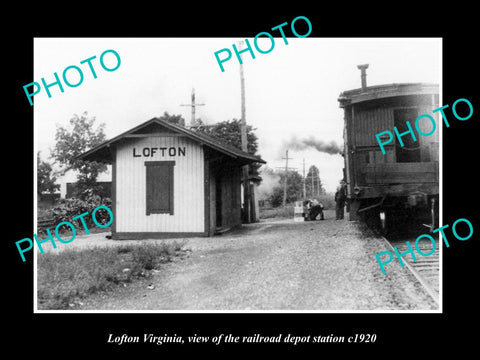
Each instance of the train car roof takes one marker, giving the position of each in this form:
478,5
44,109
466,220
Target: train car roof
384,91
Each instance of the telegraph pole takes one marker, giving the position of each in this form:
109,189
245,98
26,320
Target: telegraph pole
313,184
285,182
243,131
304,180
193,105
318,184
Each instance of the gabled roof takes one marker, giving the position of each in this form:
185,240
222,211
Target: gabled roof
102,153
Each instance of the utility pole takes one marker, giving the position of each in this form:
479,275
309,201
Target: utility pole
193,106
318,183
313,184
304,180
243,131
285,182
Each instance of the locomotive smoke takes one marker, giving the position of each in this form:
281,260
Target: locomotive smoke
331,147
270,180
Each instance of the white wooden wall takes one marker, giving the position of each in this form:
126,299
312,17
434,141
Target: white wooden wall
131,187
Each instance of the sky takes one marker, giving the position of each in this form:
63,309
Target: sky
290,92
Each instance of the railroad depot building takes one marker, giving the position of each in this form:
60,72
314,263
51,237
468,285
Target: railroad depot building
169,181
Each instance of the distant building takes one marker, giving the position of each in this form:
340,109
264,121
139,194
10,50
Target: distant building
68,180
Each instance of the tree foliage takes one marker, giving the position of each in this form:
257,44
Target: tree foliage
79,137
317,188
229,132
45,178
174,119
294,188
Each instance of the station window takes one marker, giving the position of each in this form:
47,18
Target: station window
159,175
410,151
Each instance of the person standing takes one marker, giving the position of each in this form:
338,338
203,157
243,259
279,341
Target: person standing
340,198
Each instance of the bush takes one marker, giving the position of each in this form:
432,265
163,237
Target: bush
278,212
328,201
66,209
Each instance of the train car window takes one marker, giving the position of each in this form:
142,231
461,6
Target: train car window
410,152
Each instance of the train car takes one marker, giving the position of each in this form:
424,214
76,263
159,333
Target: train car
401,186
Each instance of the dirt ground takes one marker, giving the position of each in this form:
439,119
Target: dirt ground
277,265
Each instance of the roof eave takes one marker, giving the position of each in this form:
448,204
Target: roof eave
103,153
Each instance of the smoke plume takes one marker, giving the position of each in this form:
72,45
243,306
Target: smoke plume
269,181
331,147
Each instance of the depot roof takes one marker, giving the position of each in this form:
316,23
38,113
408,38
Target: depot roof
157,127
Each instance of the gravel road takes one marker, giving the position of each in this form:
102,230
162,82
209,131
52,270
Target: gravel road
275,265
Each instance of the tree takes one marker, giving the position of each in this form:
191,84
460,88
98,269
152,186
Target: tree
294,188
229,132
174,119
313,183
78,138
45,179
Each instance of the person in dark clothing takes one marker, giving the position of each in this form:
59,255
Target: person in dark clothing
340,198
313,208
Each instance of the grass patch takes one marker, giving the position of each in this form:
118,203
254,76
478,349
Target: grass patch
66,277
279,212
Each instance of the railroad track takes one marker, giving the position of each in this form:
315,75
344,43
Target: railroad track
426,269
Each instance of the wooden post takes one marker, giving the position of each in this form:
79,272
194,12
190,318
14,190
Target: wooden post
285,182
318,183
193,105
304,180
243,131
313,184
